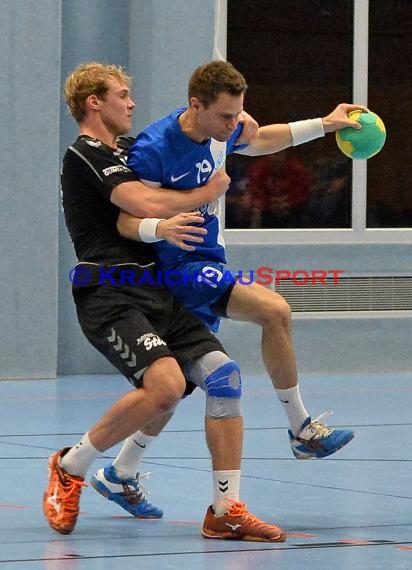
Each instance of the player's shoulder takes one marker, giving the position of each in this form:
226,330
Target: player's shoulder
91,149
86,148
124,143
84,142
88,155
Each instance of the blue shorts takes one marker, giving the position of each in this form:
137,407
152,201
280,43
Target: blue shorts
203,288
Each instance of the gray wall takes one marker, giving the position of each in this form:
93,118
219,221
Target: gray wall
141,42
367,343
165,46
29,169
160,44
88,34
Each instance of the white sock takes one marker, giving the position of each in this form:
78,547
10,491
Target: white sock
293,406
79,458
128,460
226,485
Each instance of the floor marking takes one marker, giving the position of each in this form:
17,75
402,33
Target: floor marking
354,541
301,534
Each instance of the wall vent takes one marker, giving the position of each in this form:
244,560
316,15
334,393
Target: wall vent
351,293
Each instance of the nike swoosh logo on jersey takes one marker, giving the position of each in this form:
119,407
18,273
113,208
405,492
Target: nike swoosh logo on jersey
176,178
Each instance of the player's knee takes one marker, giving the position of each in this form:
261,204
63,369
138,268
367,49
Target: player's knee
224,381
223,388
274,310
219,377
171,394
166,384
280,309
223,408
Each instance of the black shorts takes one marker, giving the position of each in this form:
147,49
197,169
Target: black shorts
134,326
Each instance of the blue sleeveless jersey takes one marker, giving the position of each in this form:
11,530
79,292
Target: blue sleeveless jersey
163,156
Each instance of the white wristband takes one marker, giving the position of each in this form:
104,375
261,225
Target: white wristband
147,229
305,131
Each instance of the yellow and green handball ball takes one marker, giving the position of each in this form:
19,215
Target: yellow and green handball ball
365,142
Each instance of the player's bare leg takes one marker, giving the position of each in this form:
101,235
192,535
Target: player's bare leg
253,303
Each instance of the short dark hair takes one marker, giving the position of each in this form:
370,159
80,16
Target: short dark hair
213,78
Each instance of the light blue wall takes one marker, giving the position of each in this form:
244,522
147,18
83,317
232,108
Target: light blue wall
154,41
160,42
30,34
88,34
168,39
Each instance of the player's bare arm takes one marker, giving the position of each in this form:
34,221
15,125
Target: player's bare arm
276,137
147,202
176,230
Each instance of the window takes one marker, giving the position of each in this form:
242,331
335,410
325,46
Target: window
300,60
389,189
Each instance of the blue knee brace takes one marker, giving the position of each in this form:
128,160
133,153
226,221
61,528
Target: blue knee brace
224,382
219,377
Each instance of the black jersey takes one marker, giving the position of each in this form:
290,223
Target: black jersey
131,325
90,171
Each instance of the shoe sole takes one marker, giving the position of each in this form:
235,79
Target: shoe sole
249,538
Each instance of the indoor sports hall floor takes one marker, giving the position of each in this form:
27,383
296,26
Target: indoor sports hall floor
349,512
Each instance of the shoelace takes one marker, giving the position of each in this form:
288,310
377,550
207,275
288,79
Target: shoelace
71,491
139,477
138,492
239,509
317,428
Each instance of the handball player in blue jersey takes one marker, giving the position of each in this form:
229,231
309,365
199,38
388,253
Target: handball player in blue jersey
161,348
184,150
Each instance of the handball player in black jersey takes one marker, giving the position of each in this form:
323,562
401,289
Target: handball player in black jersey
131,318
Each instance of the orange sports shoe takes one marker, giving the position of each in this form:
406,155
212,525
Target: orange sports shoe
62,497
239,524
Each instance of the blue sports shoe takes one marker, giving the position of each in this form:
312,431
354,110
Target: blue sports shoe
128,494
316,440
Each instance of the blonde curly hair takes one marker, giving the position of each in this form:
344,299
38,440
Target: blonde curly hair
90,79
